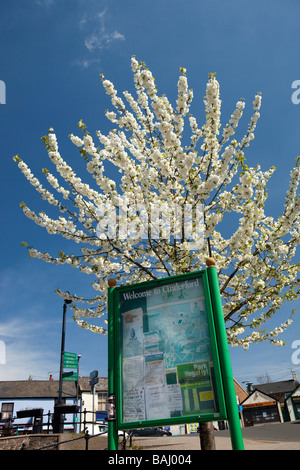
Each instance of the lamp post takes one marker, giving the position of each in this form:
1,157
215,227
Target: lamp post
57,416
66,302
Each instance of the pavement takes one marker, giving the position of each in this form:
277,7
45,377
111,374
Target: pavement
272,436
191,442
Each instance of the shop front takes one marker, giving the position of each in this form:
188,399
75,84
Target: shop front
265,413
259,408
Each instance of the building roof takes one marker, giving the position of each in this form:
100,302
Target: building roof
295,392
35,389
101,386
47,388
285,386
239,391
257,397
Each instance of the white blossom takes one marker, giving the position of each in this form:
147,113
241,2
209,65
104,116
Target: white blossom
160,166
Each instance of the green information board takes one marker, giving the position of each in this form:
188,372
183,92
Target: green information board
70,362
167,368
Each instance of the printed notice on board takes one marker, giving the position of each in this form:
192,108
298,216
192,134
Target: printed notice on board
133,373
155,373
133,337
134,405
156,399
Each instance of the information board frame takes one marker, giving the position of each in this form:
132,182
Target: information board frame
220,413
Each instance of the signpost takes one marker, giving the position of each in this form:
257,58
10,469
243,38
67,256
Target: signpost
168,359
94,378
70,361
70,376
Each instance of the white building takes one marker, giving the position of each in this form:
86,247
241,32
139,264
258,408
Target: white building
293,404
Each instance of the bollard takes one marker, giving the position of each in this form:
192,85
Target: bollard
87,437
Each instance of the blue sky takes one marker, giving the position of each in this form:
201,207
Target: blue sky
52,52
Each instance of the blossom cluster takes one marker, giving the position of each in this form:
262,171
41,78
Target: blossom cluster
159,165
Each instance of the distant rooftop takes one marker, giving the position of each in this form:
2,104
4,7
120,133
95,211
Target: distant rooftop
46,388
285,386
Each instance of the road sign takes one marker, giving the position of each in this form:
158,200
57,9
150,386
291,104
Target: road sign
68,355
70,360
93,378
69,376
71,364
93,374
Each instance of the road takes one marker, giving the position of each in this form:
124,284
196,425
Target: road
287,432
277,436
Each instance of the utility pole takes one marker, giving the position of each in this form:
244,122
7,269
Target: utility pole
63,334
57,417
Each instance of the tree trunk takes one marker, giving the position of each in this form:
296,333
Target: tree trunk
207,438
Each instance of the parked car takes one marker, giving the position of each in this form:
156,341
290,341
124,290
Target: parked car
214,427
103,429
150,432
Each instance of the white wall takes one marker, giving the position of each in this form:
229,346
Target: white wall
29,403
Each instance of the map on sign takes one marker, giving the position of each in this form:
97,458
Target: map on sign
183,328
166,360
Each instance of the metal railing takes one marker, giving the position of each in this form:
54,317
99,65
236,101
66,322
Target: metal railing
18,429
86,437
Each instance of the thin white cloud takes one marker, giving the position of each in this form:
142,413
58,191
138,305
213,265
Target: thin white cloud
21,352
101,40
23,360
117,35
98,36
19,328
102,13
85,63
13,329
45,3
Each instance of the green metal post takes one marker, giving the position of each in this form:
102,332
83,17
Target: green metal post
225,362
112,429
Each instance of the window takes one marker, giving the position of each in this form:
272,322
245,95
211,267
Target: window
102,401
63,401
7,411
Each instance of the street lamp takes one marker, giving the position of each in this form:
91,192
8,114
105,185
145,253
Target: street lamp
66,302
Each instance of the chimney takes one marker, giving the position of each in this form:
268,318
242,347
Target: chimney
295,378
